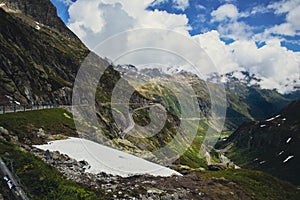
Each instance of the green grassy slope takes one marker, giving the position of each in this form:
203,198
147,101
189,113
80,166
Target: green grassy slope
266,144
41,181
258,185
25,125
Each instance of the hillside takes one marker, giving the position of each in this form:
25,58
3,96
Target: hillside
38,63
40,58
271,145
44,178
244,102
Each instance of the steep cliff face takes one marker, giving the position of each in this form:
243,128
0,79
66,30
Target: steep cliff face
271,145
42,11
38,63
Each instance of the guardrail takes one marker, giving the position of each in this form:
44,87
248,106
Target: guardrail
19,108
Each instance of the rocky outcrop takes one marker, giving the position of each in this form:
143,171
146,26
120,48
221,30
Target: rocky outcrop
43,11
271,145
36,65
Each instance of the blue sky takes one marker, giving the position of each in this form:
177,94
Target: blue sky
259,36
200,19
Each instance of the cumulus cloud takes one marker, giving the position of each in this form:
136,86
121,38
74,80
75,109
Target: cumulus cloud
181,4
218,51
177,4
291,26
225,12
236,30
227,16
95,21
276,65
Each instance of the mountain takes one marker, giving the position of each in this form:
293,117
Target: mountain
40,58
246,101
271,145
38,61
42,11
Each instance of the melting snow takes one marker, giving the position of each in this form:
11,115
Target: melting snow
288,158
262,162
2,4
263,125
272,118
288,140
37,27
105,159
9,97
283,119
281,152
279,124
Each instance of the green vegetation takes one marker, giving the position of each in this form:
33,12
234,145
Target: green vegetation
25,124
41,181
258,185
266,145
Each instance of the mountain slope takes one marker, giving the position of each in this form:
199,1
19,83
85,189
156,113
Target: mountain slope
38,63
42,11
271,145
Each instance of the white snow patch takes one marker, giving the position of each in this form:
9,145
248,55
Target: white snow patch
2,4
256,159
263,125
105,159
237,167
18,103
288,140
37,27
262,162
9,97
279,125
283,119
288,158
281,152
272,118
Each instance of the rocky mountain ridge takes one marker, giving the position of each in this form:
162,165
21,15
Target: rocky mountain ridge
271,145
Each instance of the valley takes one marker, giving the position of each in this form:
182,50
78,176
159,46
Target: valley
134,133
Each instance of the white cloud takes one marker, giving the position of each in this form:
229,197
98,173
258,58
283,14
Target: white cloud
177,4
293,17
282,29
291,9
236,30
181,4
276,65
86,16
218,51
225,12
283,6
95,21
66,2
200,7
227,15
